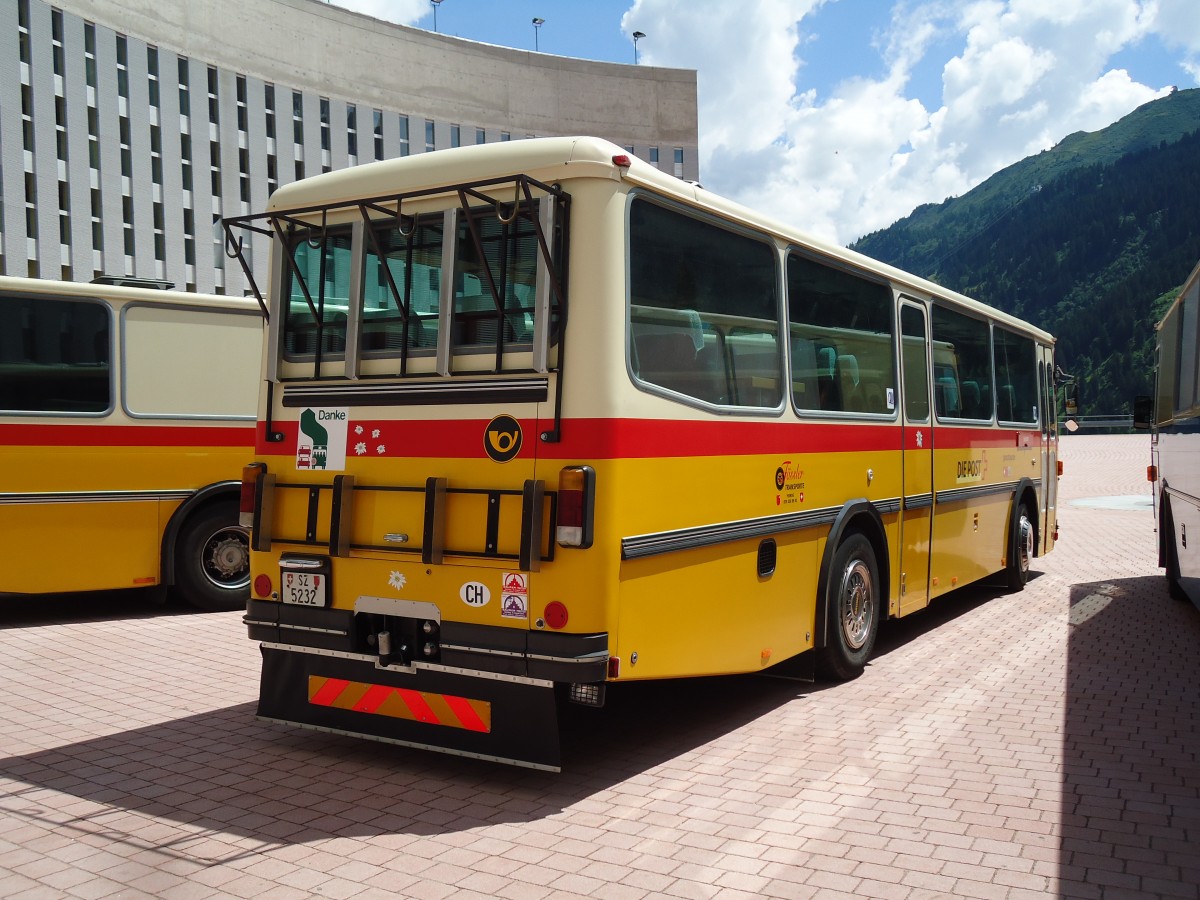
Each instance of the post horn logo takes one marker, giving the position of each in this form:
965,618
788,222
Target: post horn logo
502,438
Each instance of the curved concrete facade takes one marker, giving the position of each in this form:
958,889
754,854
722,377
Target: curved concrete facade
126,126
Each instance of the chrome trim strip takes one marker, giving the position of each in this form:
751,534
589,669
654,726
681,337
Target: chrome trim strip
485,651
918,501
887,507
419,746
1182,495
93,496
411,670
643,545
539,384
958,495
590,658
490,676
339,632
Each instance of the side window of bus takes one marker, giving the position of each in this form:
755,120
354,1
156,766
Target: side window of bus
841,333
962,366
324,272
704,313
401,293
1016,377
54,355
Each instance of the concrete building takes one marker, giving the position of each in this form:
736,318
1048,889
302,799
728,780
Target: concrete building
129,127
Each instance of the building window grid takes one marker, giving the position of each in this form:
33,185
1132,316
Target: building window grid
122,49
27,135
326,141
298,132
272,158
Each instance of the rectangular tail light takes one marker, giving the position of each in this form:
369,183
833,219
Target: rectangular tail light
576,506
250,476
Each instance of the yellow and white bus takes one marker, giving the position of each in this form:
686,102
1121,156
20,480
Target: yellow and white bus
126,414
539,418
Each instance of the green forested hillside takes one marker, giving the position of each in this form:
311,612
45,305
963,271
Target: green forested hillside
1087,240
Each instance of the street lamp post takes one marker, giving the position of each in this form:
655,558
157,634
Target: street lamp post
637,36
538,22
436,4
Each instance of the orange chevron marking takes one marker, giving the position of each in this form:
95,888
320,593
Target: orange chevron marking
401,703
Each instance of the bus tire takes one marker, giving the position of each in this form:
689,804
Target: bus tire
853,604
1020,549
212,559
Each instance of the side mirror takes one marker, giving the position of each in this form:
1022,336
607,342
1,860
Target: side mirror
1143,412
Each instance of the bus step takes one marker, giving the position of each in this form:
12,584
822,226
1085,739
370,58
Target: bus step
495,718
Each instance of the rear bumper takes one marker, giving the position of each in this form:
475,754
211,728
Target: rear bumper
546,656
492,717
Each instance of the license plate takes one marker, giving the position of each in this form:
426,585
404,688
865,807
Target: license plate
304,588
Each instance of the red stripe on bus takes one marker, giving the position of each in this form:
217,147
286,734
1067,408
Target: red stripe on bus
91,435
467,717
329,692
644,438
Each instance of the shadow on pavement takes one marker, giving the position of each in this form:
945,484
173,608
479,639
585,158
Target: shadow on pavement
227,782
224,775
1131,755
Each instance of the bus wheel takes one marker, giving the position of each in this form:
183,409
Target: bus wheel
1020,551
212,560
853,609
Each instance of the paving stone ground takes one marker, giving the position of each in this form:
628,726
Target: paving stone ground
1038,744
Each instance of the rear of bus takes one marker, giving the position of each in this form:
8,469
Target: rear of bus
419,530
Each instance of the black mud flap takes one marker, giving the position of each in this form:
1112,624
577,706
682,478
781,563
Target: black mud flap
492,717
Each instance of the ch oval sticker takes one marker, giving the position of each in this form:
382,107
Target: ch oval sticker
473,593
502,438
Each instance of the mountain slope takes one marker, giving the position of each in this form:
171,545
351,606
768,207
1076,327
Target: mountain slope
1081,240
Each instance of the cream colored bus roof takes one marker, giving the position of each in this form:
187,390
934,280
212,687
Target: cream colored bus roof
556,158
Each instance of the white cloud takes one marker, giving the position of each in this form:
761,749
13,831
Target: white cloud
402,12
1022,75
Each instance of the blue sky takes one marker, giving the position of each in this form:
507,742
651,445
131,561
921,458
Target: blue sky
841,116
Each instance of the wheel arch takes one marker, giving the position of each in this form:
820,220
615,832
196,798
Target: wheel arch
862,517
1026,492
203,498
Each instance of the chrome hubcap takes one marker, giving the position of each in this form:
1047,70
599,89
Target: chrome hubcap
1024,543
856,604
227,558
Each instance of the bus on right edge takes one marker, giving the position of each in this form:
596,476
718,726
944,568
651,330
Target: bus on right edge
1176,442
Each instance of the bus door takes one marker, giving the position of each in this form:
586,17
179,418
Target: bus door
917,507
1049,452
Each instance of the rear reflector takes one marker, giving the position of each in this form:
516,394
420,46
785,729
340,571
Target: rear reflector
622,160
1152,473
